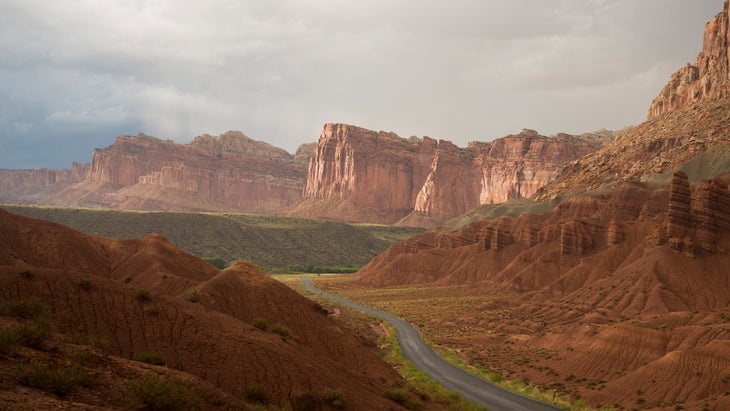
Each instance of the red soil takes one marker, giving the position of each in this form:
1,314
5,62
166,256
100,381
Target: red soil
629,314
93,287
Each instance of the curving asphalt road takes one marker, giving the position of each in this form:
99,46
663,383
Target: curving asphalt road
455,379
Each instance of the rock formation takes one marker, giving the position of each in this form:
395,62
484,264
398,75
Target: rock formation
362,175
707,78
226,173
32,186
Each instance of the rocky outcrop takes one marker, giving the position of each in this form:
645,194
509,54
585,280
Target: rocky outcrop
362,175
694,225
679,216
226,173
707,78
32,186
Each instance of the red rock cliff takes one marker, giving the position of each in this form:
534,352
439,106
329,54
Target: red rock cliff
362,175
707,78
226,173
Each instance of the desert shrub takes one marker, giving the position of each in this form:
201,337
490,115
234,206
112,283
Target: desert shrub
60,381
334,397
85,284
26,274
33,334
160,394
192,295
260,323
8,338
86,358
255,394
216,262
401,397
91,340
149,358
25,309
282,330
305,402
143,295
127,280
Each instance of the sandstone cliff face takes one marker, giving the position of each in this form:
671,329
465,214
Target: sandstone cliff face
362,175
226,173
707,78
32,186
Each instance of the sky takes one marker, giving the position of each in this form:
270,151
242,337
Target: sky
74,74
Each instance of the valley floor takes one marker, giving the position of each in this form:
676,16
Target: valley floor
584,358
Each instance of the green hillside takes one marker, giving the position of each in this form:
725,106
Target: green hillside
268,241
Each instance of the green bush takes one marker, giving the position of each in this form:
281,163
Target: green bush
8,338
85,284
25,309
261,323
143,295
192,295
160,394
149,358
401,397
334,397
256,394
217,262
59,381
282,330
34,334
91,340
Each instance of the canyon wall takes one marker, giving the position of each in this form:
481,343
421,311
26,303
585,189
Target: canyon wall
363,175
226,173
350,174
33,185
707,78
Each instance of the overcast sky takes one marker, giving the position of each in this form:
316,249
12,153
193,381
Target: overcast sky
76,74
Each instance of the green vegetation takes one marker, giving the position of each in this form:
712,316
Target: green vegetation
314,269
421,382
255,394
192,295
216,262
34,329
261,323
268,241
282,330
403,397
160,394
334,397
60,381
85,284
143,295
149,358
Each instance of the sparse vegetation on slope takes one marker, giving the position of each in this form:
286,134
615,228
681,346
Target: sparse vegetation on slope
268,241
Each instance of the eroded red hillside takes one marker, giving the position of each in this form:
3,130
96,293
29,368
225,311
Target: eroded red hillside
145,296
624,287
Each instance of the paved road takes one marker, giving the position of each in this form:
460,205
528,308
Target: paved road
451,377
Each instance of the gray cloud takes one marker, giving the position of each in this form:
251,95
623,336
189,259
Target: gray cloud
76,74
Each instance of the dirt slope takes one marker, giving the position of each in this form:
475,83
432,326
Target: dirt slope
626,288
96,287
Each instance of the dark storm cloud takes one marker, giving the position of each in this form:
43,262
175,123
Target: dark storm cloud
74,74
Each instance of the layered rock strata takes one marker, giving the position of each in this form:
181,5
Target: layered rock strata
707,78
362,175
226,173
